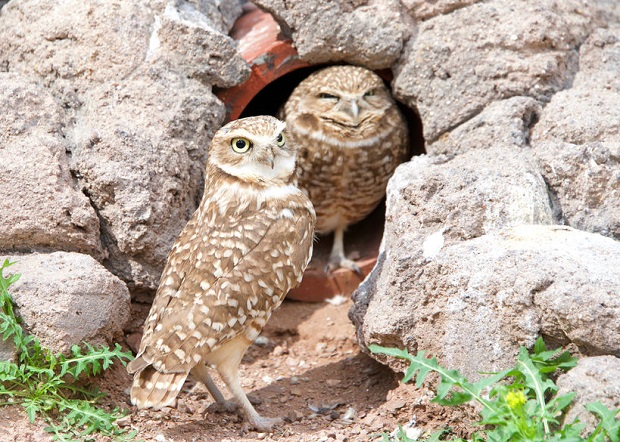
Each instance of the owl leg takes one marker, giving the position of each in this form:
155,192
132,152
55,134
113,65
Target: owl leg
201,372
228,370
337,258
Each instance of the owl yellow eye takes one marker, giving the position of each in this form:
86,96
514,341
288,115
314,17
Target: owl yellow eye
280,140
326,96
370,93
241,145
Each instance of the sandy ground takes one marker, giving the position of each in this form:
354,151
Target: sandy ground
307,369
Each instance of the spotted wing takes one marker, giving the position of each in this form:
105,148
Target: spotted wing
222,279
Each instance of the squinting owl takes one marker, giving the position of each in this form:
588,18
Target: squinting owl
246,245
351,136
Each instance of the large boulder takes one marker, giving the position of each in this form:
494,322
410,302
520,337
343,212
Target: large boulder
577,140
463,197
371,34
459,63
143,171
128,87
474,260
503,123
40,200
69,298
475,302
595,379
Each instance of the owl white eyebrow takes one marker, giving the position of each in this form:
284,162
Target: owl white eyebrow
242,133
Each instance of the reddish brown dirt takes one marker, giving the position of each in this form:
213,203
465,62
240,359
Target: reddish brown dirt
310,371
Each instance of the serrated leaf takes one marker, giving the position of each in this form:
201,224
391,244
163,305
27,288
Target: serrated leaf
559,403
608,421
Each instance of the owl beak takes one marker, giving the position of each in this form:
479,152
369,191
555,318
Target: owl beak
354,108
272,158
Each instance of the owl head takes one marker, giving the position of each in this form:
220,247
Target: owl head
343,103
254,150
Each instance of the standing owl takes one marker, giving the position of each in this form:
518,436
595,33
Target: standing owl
351,136
243,249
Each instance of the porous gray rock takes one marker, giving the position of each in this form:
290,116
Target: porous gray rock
577,140
143,172
594,379
133,86
41,204
72,44
460,62
368,33
68,298
475,302
197,45
425,9
463,197
503,123
8,351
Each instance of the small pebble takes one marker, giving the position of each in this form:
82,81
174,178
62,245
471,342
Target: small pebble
414,433
294,416
262,341
278,350
267,379
124,421
291,362
349,415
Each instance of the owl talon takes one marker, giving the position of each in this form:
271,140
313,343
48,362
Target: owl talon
263,423
338,262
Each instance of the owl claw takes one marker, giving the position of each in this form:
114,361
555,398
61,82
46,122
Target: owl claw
337,262
263,424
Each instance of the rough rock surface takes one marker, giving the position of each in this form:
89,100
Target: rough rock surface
7,350
595,379
424,9
527,139
112,102
475,302
368,33
577,140
464,197
461,62
128,85
67,298
504,123
41,206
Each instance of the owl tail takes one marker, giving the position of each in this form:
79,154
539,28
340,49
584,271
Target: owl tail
153,389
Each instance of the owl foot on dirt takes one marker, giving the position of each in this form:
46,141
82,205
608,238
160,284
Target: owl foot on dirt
263,424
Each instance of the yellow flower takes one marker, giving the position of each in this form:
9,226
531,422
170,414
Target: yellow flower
515,399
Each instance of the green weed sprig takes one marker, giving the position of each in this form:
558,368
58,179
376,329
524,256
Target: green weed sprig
42,382
520,404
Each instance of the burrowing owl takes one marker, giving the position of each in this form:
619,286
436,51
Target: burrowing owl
351,136
246,245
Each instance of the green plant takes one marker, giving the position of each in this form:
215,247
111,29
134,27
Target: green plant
45,384
520,404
